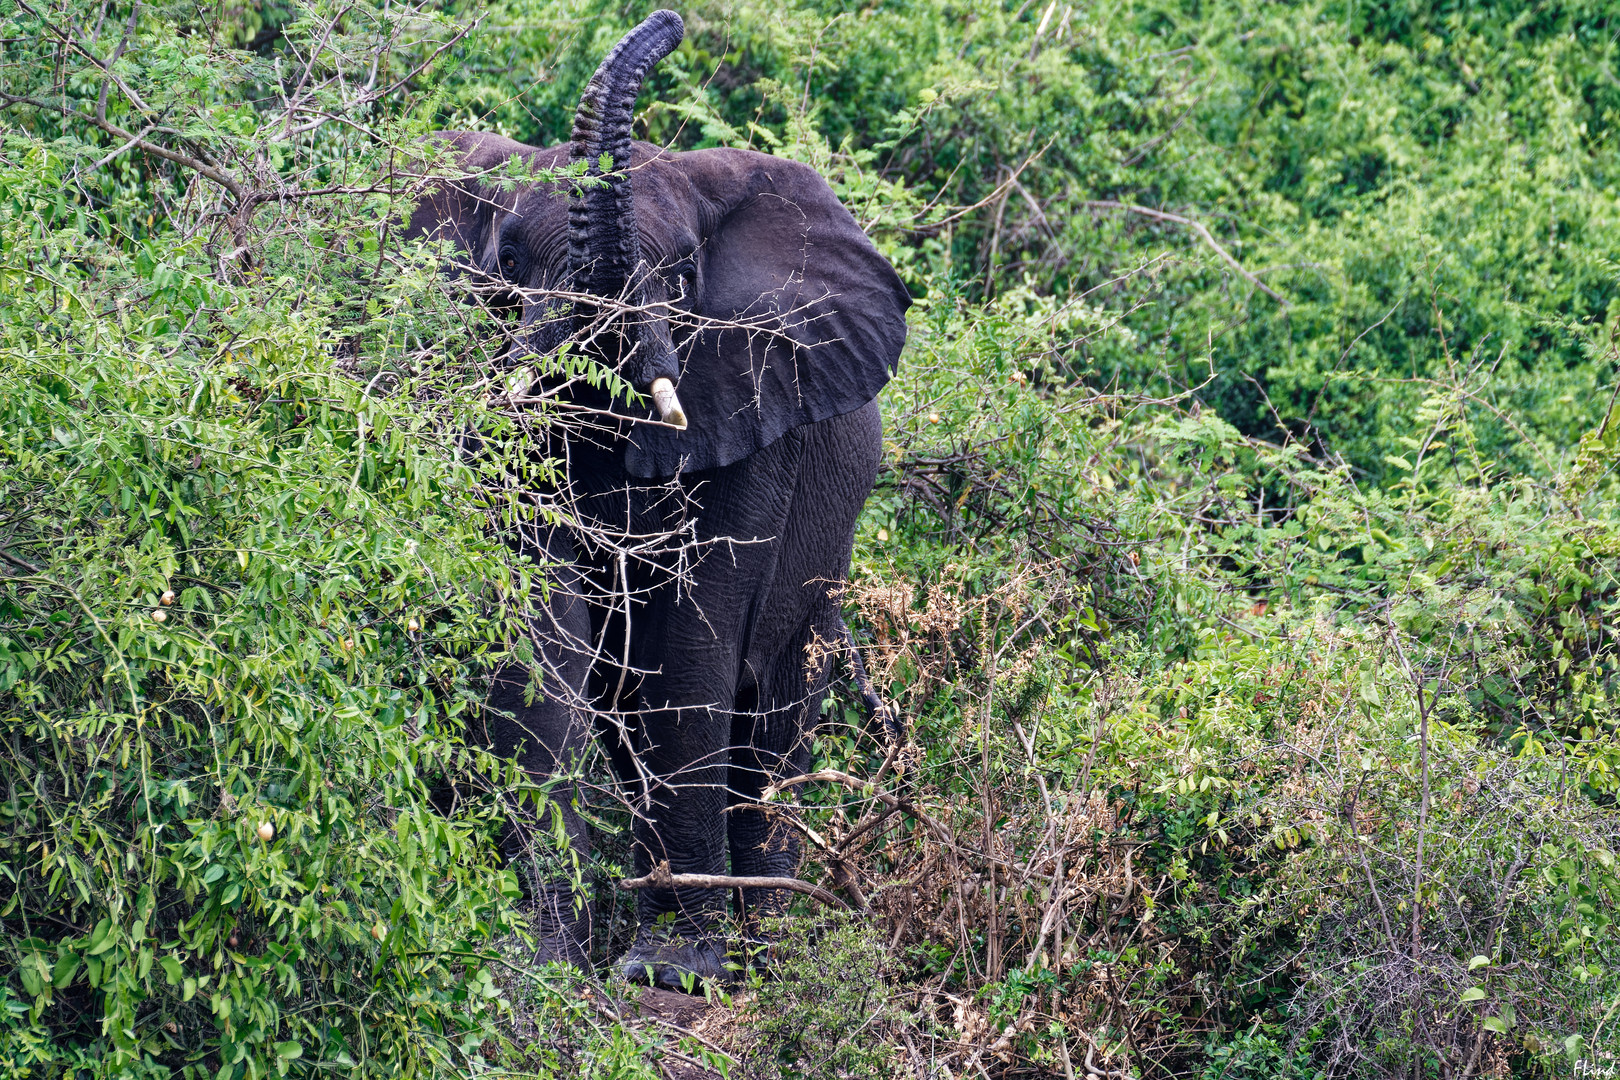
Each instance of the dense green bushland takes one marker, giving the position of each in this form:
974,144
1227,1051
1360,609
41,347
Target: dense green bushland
1358,159
1240,785
1243,570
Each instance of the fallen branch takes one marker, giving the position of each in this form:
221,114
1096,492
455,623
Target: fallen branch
661,878
1195,226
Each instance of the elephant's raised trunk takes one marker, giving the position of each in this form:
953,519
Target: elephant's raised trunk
603,245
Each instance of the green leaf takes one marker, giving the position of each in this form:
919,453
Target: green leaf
66,966
102,938
1369,688
1479,962
1473,993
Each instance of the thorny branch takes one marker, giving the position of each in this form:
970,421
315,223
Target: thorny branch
323,92
1196,226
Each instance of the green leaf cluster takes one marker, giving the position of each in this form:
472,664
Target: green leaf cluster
250,587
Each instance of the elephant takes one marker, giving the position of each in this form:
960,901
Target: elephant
752,323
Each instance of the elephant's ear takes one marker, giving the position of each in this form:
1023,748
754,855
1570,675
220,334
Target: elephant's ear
467,211
800,318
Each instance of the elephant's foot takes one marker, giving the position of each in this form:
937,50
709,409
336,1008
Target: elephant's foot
562,922
681,957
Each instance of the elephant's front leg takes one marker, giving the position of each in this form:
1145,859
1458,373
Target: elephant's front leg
682,932
771,743
769,748
688,642
792,646
544,728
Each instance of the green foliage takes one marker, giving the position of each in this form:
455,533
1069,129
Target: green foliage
1245,528
1255,1055
241,612
562,1031
823,1007
1293,708
248,590
1362,161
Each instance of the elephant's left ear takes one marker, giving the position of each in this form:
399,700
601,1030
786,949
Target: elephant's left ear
800,318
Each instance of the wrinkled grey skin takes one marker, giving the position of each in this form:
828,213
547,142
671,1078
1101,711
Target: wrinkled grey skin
720,681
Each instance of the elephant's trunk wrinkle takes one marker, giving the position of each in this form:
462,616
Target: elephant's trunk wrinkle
603,243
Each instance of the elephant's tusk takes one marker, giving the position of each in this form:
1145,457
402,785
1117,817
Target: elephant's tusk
669,406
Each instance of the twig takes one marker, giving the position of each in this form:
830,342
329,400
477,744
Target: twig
1197,227
687,1033
10,558
998,192
195,164
609,1014
866,787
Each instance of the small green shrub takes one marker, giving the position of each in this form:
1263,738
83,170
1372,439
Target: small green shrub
823,1007
1256,1055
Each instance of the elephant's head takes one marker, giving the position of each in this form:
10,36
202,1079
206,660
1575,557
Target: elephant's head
736,276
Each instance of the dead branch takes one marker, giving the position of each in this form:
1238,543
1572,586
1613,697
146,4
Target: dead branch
661,878
942,834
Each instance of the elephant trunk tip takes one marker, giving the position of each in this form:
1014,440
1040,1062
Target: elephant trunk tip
602,120
667,23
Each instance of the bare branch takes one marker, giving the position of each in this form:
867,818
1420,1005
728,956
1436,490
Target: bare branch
661,878
1196,226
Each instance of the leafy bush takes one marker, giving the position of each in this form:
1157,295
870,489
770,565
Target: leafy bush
1453,893
824,1007
243,608
1218,754
1358,160
248,589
